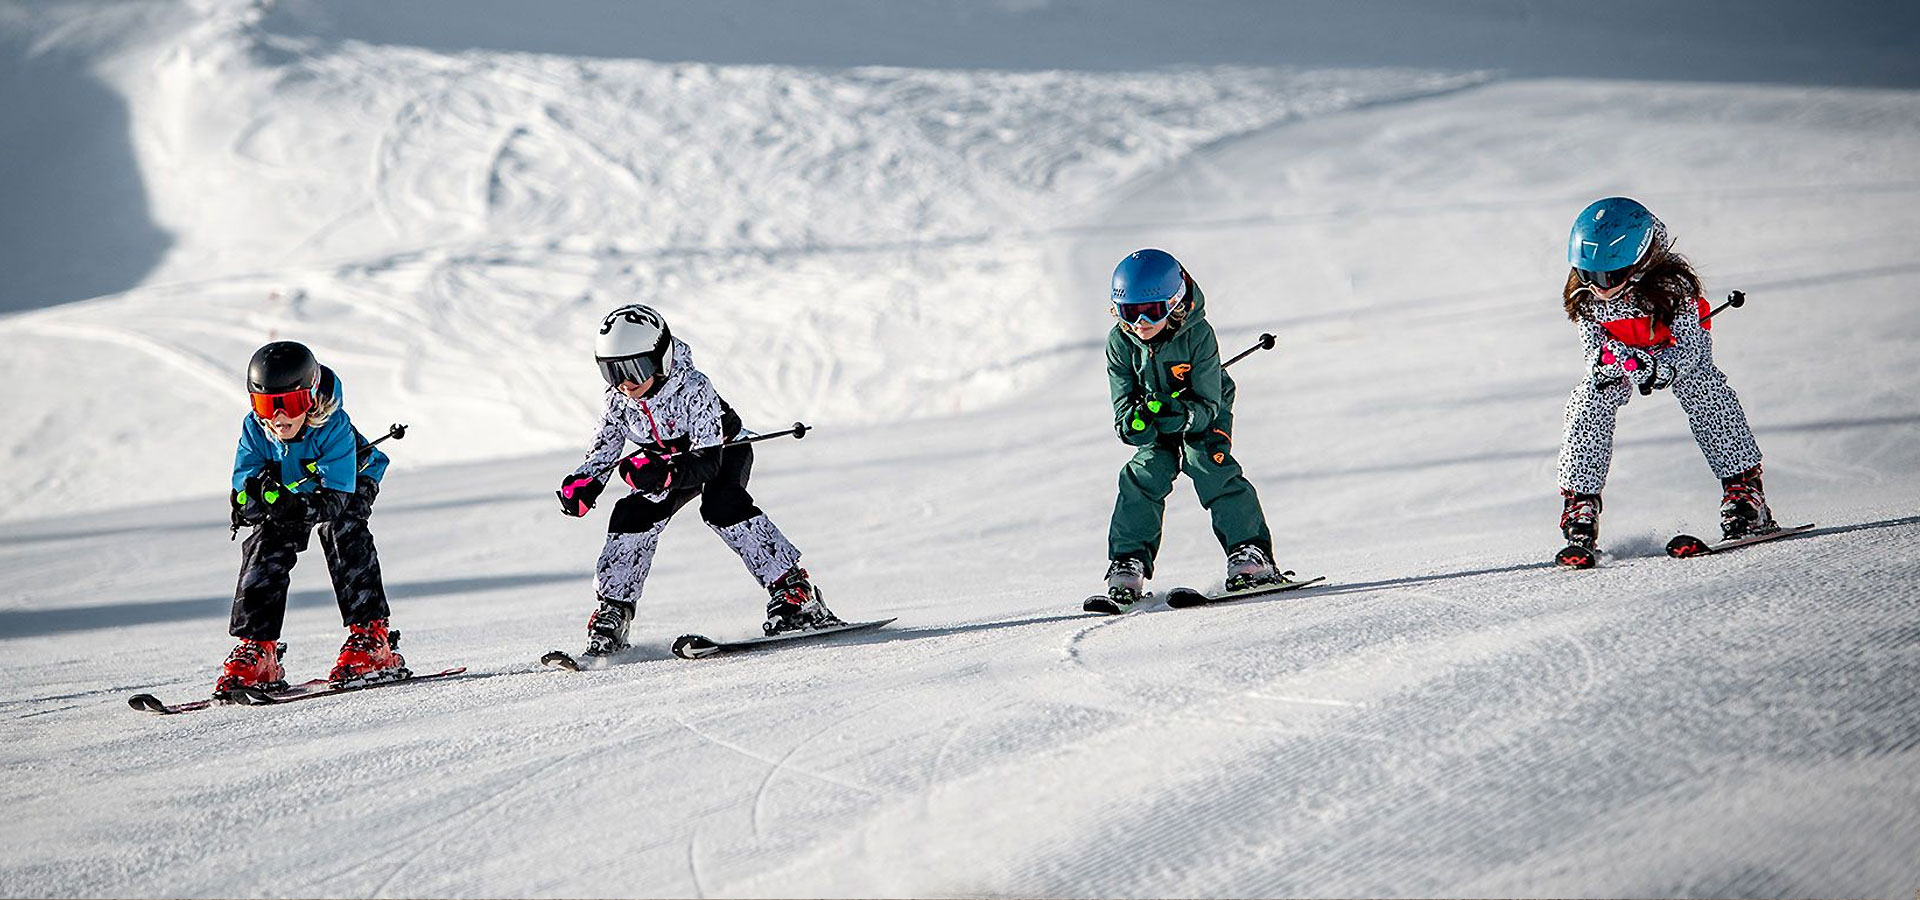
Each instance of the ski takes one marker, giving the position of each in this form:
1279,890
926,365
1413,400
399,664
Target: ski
1575,556
699,646
153,704
585,661
1107,606
1184,597
310,690
318,687
1685,545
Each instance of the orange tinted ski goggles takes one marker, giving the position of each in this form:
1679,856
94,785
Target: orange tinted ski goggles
293,403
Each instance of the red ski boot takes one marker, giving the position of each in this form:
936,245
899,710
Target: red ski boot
252,664
368,655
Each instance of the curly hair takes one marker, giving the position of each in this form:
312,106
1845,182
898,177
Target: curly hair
1667,283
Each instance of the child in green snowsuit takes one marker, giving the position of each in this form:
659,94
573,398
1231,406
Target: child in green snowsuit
1174,401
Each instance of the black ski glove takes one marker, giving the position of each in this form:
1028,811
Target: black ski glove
577,493
289,509
647,472
246,505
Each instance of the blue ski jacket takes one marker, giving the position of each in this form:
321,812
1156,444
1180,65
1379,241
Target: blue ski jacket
337,450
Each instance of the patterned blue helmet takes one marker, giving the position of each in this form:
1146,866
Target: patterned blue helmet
1610,238
1148,286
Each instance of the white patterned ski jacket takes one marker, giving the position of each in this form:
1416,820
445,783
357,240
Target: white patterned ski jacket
682,417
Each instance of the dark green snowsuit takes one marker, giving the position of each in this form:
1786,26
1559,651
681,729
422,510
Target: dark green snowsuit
1191,431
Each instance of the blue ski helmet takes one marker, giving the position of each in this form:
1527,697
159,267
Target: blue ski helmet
1149,286
1611,237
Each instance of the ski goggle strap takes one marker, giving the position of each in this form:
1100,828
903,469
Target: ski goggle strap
636,369
294,404
1149,312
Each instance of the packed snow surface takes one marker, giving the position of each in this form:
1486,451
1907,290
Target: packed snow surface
908,249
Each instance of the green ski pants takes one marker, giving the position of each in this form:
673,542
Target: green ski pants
1224,491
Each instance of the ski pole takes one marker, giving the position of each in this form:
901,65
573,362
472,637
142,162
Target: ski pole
1265,343
1735,299
799,430
395,431
1153,406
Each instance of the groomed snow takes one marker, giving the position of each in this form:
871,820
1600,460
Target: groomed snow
913,259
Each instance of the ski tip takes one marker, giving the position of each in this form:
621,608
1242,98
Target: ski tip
1104,605
694,646
1183,597
1685,545
560,659
1574,556
146,702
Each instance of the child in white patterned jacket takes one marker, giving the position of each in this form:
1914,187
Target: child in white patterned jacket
657,400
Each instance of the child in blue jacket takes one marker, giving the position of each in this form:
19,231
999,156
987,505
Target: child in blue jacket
301,464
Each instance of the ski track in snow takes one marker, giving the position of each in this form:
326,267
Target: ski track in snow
903,258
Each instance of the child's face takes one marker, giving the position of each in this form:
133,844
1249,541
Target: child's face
284,427
1611,292
1146,332
637,391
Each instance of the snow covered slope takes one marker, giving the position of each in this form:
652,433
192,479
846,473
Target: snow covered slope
912,259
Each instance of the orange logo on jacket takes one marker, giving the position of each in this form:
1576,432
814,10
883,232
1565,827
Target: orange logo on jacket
1180,370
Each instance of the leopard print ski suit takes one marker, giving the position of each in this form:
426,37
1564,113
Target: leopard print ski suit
1685,354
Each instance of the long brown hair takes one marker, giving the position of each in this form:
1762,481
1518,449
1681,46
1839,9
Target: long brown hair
1666,285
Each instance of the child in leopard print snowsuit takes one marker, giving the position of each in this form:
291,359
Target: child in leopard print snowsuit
1643,321
658,401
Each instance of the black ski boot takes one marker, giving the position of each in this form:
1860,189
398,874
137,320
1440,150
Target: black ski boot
1580,525
607,627
1743,507
794,604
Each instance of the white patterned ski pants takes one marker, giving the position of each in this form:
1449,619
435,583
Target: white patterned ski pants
1712,408
636,523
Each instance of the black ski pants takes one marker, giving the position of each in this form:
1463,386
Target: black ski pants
266,565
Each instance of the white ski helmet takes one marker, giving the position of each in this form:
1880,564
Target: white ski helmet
634,345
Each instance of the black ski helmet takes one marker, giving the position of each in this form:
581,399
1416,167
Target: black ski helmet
282,366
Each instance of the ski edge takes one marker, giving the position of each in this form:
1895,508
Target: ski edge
709,647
